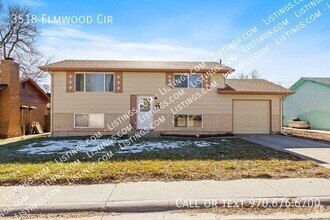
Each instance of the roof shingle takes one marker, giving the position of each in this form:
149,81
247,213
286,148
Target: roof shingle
253,86
321,80
120,65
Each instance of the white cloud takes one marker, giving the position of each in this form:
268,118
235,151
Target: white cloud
66,42
286,63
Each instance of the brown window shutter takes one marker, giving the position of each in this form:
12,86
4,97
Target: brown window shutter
133,108
118,78
70,81
206,80
169,78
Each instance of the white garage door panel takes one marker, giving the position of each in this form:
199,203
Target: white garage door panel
251,117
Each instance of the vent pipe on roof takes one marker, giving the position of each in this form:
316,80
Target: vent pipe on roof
220,61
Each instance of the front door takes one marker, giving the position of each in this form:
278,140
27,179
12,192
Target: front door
144,113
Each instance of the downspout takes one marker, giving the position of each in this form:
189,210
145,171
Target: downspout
281,108
51,101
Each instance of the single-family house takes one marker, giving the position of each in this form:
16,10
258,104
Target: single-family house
21,102
38,101
311,102
163,96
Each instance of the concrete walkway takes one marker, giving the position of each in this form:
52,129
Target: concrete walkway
307,149
158,196
22,138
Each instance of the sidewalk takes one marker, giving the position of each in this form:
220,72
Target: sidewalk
156,196
22,138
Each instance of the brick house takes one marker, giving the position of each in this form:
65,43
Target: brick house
33,96
20,101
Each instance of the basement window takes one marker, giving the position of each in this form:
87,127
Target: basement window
89,120
188,121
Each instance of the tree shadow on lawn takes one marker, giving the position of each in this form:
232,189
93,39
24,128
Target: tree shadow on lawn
217,149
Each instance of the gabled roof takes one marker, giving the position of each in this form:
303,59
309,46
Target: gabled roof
319,80
133,66
253,86
36,87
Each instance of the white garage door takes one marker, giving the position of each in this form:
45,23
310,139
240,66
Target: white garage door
251,117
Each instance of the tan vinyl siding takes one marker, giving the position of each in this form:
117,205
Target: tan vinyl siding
145,84
133,83
211,105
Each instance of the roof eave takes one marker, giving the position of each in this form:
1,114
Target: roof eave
37,87
95,69
3,86
297,84
228,92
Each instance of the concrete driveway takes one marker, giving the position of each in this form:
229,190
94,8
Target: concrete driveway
307,149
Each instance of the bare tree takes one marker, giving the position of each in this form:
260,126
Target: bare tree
18,36
29,66
254,74
17,33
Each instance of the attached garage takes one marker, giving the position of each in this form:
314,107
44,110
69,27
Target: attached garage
251,116
256,105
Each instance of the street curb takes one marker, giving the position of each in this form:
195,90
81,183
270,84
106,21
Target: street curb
168,205
157,205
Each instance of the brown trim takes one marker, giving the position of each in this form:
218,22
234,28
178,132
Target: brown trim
133,108
118,81
220,91
270,111
70,81
93,69
206,80
169,78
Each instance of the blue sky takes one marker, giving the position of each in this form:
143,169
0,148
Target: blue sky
191,30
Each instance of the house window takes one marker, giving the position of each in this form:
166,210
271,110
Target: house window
87,82
89,120
109,82
79,82
195,121
188,121
180,81
180,121
188,81
94,82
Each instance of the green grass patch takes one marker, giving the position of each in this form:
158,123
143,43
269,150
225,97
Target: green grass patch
222,160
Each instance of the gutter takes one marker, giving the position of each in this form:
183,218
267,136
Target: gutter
225,70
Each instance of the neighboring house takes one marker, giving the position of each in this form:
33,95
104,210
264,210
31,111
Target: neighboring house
17,100
311,102
33,96
111,96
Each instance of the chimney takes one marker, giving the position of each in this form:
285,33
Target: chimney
10,100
